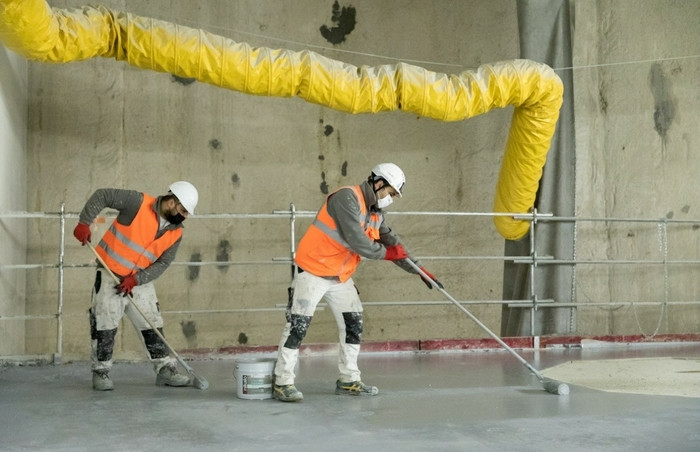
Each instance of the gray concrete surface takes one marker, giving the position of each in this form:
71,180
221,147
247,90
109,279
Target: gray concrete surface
445,401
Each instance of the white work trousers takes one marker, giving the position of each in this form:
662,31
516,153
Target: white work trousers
109,307
341,298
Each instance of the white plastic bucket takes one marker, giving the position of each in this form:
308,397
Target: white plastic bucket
254,378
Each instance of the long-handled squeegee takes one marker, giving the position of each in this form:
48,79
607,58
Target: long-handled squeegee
551,386
197,381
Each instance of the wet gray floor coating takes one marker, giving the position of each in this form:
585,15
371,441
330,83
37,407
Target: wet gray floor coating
446,401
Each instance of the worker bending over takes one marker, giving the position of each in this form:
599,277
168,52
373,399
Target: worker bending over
349,226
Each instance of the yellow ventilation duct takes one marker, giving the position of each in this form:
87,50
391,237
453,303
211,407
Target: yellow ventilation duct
35,30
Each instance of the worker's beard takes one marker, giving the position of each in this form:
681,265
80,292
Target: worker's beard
175,219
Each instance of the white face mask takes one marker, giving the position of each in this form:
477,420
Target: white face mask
384,202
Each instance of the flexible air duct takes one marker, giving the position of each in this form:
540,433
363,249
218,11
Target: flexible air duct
35,30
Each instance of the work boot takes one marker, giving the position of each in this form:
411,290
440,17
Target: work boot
287,393
101,380
355,388
169,376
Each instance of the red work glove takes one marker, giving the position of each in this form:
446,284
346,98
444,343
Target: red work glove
126,285
83,233
395,253
430,275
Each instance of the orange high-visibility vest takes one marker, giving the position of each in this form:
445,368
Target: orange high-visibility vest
128,249
323,252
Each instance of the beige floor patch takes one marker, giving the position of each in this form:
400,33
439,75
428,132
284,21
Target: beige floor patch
654,376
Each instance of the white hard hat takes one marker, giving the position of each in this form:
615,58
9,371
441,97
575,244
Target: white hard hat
186,194
392,174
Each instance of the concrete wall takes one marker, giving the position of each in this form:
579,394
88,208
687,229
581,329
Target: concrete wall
125,127
638,143
13,195
101,123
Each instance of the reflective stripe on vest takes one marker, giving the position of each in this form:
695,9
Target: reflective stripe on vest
128,249
323,252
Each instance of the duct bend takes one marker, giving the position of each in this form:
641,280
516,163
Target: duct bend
38,32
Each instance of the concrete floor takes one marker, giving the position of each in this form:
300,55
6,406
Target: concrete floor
438,401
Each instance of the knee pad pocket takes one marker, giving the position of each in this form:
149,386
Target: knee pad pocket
154,344
353,327
299,324
105,344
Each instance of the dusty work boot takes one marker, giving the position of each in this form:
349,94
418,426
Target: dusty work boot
169,376
287,393
355,388
101,380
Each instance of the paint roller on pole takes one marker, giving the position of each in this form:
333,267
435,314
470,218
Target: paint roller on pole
197,381
549,385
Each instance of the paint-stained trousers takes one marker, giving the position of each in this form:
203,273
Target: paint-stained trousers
108,308
343,300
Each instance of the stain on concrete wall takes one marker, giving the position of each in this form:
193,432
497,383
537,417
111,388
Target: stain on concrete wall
189,330
344,20
602,98
664,104
331,154
223,254
193,270
324,184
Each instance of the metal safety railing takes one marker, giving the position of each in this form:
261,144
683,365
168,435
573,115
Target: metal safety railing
533,260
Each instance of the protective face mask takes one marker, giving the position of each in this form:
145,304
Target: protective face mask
175,219
384,202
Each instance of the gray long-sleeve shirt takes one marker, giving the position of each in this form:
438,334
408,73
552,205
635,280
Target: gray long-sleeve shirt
344,208
128,203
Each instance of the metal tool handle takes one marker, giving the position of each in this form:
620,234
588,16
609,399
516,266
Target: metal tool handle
477,321
135,306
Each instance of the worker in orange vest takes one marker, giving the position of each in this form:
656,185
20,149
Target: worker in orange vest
349,226
138,247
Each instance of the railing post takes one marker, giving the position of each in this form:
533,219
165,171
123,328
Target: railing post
533,267
59,314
